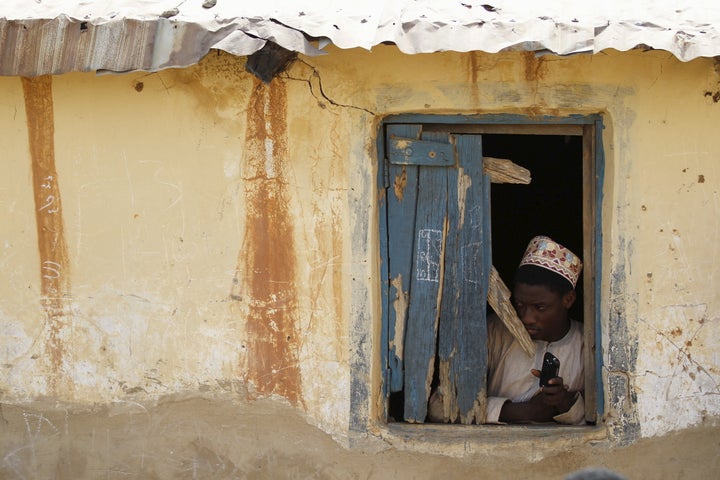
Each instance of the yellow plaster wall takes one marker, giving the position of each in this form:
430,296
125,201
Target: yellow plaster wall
159,177
20,312
672,211
152,224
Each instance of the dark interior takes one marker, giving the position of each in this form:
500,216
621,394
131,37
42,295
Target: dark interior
550,205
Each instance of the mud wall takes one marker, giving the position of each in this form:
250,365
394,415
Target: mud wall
198,230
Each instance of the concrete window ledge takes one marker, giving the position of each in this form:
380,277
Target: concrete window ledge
532,442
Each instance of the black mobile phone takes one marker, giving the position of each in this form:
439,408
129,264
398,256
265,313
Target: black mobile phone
550,368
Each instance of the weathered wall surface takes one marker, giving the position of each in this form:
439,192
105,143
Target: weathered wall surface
673,209
196,229
219,438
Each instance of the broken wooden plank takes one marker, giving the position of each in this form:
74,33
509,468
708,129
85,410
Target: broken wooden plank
401,209
501,170
499,300
467,266
425,293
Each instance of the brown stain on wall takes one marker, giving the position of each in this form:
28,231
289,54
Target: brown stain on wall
218,83
266,264
54,260
533,67
474,65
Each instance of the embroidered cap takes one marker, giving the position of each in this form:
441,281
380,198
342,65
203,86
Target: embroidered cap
545,252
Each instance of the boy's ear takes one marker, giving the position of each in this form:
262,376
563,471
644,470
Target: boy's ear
568,299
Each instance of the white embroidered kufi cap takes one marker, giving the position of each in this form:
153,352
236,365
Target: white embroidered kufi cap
545,252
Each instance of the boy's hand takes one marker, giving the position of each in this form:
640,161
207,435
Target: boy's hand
556,393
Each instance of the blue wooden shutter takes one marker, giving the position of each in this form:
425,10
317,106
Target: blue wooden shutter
401,204
462,347
438,263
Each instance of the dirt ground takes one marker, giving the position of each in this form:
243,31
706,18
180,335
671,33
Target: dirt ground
221,438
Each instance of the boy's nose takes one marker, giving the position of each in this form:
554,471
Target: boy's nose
526,318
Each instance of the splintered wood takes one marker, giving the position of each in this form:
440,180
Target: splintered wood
501,170
499,300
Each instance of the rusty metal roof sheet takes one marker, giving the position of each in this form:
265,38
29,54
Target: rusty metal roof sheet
56,36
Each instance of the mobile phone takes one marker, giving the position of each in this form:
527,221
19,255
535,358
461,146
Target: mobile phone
550,368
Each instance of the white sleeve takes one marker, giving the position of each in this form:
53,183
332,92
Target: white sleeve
576,414
494,407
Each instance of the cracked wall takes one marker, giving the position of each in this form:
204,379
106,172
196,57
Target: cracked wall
222,235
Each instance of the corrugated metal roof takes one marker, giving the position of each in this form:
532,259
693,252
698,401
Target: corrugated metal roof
56,36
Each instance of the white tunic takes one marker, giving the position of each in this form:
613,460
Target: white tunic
509,376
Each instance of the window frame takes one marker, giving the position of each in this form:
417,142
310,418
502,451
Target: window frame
590,128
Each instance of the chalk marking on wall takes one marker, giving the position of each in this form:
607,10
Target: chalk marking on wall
49,202
179,190
33,426
50,198
427,254
15,465
52,268
136,404
39,421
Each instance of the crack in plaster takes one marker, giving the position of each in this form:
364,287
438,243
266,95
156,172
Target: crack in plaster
316,75
684,350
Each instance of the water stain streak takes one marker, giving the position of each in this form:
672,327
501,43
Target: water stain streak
52,246
266,266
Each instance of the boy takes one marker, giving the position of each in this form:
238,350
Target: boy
543,293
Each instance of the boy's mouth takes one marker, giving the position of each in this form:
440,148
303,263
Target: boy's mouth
532,331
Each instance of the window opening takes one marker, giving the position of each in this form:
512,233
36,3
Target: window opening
551,204
557,202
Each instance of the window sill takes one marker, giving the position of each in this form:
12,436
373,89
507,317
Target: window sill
532,441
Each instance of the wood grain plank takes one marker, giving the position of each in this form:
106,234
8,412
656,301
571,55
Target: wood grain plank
425,290
401,204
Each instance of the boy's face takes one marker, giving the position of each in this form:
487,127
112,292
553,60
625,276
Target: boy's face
543,312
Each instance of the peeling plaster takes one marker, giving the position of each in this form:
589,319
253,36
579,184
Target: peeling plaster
464,182
400,183
400,304
677,382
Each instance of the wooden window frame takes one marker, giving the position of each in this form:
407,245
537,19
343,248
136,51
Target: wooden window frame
589,127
